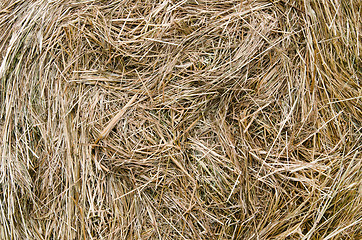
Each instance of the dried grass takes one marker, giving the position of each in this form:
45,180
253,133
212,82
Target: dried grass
193,119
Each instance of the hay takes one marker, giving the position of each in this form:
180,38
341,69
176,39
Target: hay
193,119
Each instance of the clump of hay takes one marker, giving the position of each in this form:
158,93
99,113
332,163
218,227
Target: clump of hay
193,119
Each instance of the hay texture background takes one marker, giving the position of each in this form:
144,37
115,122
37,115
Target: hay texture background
190,119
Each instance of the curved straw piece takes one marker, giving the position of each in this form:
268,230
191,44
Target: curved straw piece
115,119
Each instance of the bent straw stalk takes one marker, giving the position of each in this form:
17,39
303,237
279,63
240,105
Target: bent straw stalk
115,119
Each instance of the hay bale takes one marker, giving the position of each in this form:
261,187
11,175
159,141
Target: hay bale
193,119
